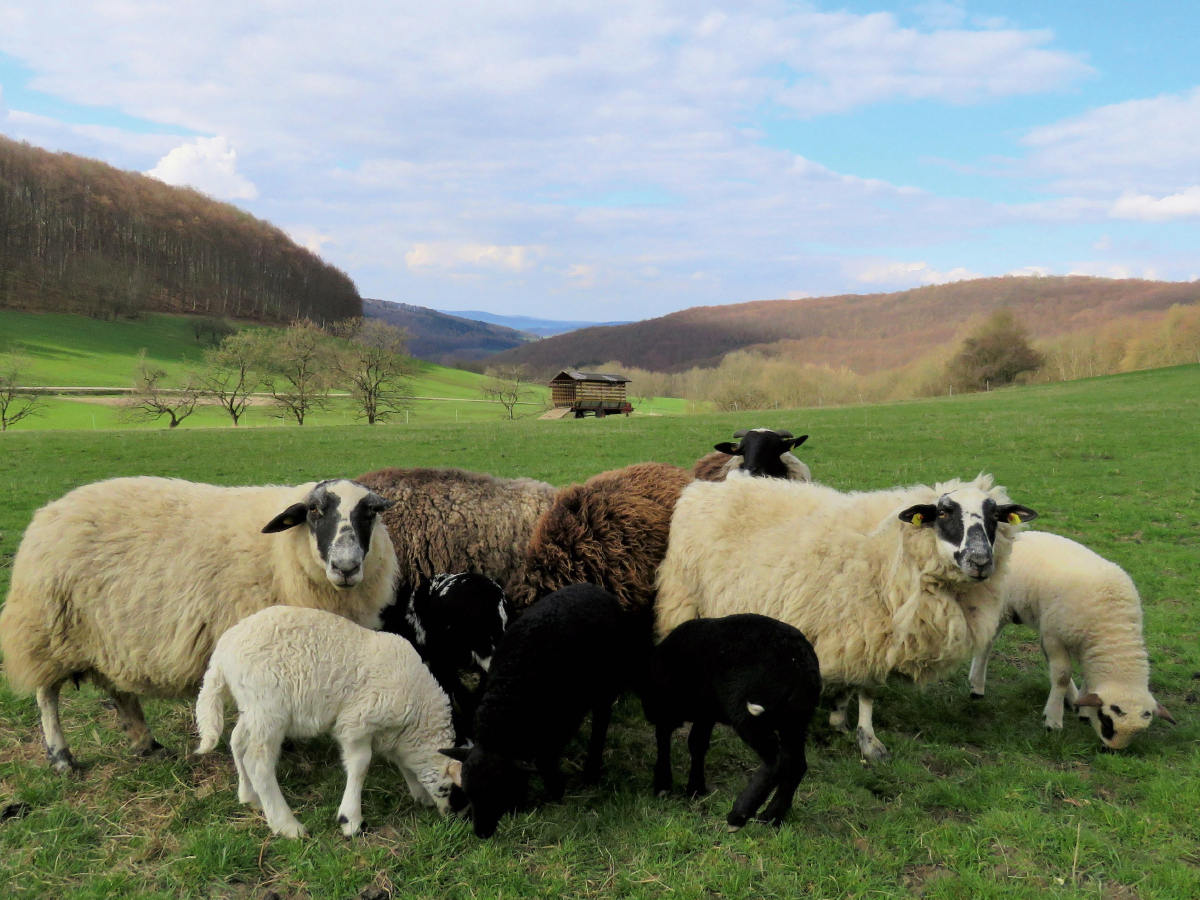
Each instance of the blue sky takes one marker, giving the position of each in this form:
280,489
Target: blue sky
625,159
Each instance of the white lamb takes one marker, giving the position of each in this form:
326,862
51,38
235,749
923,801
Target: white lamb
873,580
129,582
300,673
1088,611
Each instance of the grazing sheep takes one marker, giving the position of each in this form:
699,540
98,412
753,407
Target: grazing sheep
873,579
450,520
757,674
299,673
455,622
610,531
1088,611
571,652
760,452
130,582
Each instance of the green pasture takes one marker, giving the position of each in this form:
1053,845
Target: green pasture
978,800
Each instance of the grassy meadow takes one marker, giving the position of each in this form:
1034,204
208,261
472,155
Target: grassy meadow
978,800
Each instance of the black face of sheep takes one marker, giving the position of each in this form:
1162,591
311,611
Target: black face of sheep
493,785
340,516
762,450
965,521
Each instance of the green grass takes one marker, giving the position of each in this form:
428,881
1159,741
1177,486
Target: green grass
978,800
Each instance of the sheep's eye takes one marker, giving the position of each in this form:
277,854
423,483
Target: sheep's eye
1146,714
1117,710
943,514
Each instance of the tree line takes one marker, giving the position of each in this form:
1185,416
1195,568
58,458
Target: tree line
296,367
77,235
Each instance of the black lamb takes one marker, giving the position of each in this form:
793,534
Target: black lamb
455,622
571,652
755,673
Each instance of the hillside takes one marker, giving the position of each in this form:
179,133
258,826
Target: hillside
864,332
540,327
77,235
444,338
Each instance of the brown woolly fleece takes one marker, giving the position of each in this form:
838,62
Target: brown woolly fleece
712,466
451,520
610,531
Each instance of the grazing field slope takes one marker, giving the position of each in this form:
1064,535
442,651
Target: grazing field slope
863,332
978,800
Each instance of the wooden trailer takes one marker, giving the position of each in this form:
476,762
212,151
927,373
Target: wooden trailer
596,393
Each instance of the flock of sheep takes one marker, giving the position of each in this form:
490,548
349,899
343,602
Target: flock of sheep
762,587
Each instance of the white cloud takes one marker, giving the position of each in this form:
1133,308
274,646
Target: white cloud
449,255
905,273
208,165
311,238
1185,204
582,275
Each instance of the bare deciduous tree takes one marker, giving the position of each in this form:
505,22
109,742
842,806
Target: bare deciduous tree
151,401
17,400
232,370
508,386
298,362
374,364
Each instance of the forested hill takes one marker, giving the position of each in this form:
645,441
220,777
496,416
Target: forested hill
443,338
77,235
863,332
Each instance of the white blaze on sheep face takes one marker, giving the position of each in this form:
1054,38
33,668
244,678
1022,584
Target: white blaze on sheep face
340,516
965,522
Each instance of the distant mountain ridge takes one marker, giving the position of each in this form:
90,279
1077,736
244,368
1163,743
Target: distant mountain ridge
528,324
442,338
862,332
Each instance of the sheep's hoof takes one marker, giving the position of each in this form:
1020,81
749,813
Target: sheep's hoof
292,830
871,747
662,792
1052,725
153,750
348,829
62,762
732,828
975,696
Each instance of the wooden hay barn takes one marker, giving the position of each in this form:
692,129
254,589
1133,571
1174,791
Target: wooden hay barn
598,393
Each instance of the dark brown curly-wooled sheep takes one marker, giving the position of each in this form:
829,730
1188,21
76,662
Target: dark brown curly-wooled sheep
451,520
609,531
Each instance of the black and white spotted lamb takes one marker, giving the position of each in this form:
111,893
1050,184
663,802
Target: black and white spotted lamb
752,672
455,622
572,652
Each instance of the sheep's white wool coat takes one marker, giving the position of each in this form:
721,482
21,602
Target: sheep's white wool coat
870,592
133,580
314,673
1066,590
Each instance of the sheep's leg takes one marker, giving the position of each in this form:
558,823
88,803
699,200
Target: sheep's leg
415,787
699,739
872,748
552,776
664,780
1059,663
57,753
765,743
133,723
841,702
259,759
356,758
793,766
237,745
978,677
601,716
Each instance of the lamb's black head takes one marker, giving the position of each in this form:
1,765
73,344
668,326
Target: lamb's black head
965,521
493,784
762,451
340,515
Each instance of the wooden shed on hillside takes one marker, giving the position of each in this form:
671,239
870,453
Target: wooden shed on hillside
599,393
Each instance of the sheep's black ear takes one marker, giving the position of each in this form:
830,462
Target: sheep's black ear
289,518
741,432
922,515
796,442
728,447
377,504
1014,514
459,753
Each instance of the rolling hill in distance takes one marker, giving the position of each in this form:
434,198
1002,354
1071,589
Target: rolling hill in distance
862,332
529,324
445,338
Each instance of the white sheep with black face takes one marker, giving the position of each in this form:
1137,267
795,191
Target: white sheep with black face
1087,610
872,579
130,582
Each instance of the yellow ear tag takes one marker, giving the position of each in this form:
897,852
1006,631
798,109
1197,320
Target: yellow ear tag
1014,519
917,519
